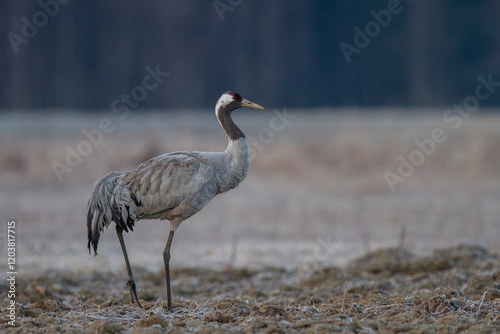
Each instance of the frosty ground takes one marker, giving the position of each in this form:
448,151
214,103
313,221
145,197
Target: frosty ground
452,291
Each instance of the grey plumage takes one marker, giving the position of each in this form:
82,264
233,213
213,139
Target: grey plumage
172,186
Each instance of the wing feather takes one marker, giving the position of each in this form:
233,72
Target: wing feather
144,182
166,180
182,180
155,180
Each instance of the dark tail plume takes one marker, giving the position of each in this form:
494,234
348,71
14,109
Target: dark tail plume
100,211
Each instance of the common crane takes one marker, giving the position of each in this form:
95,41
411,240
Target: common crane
172,186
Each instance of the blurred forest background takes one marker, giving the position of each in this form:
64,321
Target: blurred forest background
318,180
283,51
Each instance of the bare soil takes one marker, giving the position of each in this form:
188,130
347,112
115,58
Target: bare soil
455,290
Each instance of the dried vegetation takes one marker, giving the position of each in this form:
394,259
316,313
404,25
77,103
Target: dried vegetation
451,291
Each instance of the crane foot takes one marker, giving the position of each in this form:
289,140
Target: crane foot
133,293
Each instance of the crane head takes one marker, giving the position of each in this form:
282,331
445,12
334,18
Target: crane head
233,100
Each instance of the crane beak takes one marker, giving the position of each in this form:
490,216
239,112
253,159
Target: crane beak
246,103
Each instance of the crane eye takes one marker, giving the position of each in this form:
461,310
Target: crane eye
234,97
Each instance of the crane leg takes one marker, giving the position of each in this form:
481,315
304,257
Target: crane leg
131,282
166,260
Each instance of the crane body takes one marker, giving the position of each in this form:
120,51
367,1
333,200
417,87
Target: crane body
172,186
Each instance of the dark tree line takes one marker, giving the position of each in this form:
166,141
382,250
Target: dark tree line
86,54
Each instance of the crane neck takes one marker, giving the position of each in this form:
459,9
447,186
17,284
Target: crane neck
232,130
237,152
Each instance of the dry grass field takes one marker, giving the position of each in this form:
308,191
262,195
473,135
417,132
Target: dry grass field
273,255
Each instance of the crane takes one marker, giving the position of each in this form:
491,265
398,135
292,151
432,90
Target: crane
172,186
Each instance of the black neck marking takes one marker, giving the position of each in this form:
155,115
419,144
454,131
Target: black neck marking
224,117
